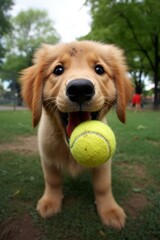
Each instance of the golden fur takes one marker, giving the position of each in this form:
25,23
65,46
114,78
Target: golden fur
45,94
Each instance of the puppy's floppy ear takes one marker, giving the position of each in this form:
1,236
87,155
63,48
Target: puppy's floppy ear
122,83
32,80
124,91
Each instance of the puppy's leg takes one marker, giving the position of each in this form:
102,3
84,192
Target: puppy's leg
110,212
50,202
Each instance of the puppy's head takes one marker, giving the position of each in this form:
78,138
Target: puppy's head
76,82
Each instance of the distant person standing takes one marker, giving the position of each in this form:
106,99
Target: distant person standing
137,97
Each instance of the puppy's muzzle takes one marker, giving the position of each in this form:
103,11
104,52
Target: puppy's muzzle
80,90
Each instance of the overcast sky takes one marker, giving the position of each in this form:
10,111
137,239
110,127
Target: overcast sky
71,18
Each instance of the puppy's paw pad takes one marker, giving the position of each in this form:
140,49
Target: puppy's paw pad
114,218
47,207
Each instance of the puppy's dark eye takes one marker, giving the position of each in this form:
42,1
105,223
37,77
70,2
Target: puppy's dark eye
99,69
59,70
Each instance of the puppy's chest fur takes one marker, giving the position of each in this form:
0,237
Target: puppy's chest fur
52,142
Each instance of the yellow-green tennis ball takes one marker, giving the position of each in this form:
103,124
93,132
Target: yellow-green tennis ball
92,143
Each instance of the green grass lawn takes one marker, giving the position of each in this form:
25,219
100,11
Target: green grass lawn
14,124
136,185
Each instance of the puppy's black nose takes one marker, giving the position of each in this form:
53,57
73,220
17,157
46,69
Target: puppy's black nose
80,90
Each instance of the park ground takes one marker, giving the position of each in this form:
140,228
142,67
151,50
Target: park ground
136,183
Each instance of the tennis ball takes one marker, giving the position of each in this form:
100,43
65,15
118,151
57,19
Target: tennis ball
92,143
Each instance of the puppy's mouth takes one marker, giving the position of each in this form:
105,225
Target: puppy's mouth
73,119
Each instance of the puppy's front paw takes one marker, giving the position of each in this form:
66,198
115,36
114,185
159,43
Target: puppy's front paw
48,207
113,217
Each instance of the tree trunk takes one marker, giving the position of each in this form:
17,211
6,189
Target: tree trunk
156,73
156,95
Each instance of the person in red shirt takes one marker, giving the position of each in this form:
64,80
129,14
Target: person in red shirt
137,98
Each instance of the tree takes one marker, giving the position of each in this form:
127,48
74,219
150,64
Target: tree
31,28
134,26
5,25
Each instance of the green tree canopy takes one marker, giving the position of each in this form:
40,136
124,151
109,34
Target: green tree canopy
30,29
5,25
134,26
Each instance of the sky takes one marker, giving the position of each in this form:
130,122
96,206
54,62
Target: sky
71,18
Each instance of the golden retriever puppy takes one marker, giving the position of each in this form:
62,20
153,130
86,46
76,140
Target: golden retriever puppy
68,84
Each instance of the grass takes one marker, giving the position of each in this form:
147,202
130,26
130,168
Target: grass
14,124
136,183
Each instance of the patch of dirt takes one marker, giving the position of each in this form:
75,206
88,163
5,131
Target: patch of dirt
136,173
136,203
153,142
138,176
22,145
19,228
133,170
